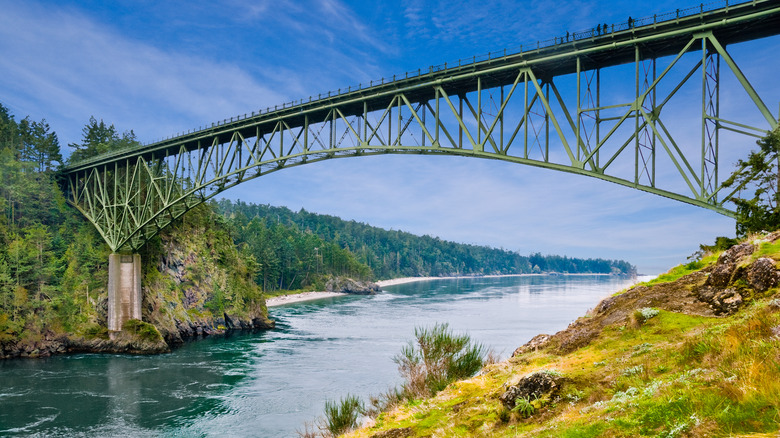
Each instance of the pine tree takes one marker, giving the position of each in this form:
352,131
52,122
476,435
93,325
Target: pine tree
761,174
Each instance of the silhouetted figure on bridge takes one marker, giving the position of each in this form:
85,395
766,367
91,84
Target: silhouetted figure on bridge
598,29
630,22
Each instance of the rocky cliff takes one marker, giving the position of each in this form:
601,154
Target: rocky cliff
195,283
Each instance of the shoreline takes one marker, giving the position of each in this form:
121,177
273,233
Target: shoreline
311,296
405,280
297,298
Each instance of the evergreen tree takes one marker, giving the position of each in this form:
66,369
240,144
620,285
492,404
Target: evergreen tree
760,173
99,138
41,145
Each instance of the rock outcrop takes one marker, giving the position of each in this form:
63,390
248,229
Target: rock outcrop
350,286
718,290
125,343
762,274
198,294
531,387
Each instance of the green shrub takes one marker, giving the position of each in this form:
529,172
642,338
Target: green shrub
437,358
524,407
341,417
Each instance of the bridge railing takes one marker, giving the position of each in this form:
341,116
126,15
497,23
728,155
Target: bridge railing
526,48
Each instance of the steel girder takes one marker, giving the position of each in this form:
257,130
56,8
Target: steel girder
520,110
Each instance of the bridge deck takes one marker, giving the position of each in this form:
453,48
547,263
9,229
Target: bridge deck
731,24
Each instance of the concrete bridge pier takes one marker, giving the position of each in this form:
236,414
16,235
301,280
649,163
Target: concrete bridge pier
124,290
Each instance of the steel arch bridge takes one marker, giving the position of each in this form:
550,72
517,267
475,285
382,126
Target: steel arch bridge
553,105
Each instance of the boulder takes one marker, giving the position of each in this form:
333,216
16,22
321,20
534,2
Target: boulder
534,344
722,301
732,255
350,286
531,387
762,274
721,274
262,323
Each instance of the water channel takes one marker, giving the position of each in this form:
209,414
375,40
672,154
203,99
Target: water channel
267,384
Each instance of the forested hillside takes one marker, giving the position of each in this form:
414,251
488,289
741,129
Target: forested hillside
385,254
53,263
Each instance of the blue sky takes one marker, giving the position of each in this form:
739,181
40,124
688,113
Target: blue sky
164,67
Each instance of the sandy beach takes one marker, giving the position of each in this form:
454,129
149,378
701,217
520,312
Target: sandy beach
303,296
310,296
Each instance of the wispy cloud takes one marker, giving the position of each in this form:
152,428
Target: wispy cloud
69,67
328,36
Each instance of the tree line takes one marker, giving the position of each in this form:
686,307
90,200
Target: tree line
51,260
388,253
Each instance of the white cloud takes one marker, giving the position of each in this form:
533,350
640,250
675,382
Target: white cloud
69,67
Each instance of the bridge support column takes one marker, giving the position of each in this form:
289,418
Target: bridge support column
124,290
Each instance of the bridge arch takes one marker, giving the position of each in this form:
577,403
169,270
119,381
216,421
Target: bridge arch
512,107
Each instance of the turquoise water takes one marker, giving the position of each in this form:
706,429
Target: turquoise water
268,384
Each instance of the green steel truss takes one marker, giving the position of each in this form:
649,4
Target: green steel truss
549,107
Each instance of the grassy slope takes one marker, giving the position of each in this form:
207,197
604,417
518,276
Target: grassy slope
679,373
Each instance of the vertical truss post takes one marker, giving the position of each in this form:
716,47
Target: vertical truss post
364,132
306,135
389,122
479,111
437,117
710,118
636,117
333,144
703,114
424,127
598,114
526,118
579,110
546,122
501,120
653,131
646,134
460,125
400,120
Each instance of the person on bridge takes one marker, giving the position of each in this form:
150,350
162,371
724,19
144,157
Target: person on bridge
630,22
